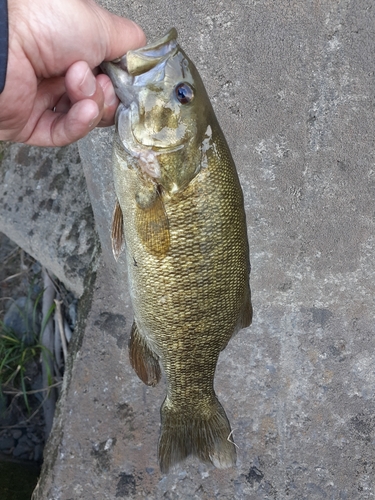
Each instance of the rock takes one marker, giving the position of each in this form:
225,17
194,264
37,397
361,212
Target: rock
6,443
17,434
22,450
35,438
25,439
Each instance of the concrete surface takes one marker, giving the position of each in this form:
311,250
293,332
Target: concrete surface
293,86
45,208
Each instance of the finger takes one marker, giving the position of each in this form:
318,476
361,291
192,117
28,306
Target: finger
82,30
81,84
60,129
63,104
69,123
122,34
111,101
48,94
75,113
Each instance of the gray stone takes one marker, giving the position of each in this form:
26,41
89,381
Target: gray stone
45,209
26,440
17,434
293,87
7,451
6,443
22,450
35,438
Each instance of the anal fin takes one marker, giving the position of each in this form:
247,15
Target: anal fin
143,360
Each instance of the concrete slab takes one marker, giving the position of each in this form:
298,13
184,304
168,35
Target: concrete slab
45,208
292,84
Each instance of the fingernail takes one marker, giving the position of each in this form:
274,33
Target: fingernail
92,124
110,97
88,84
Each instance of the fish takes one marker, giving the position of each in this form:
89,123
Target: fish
180,217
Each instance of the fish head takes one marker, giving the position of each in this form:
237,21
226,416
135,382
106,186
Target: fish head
164,115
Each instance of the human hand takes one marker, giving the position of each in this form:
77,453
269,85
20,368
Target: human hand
53,94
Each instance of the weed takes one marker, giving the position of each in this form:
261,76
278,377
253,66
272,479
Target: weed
16,353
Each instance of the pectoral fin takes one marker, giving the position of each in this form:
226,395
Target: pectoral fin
153,226
144,362
117,235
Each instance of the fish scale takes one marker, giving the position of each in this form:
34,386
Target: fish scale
184,227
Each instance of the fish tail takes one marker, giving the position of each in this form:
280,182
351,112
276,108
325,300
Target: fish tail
206,435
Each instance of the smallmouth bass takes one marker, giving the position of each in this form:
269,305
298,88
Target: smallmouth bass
180,217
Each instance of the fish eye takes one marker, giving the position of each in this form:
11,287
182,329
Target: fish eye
184,93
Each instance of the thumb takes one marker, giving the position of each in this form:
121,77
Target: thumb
122,34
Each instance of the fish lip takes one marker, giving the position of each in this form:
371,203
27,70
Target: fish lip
138,61
145,58
159,44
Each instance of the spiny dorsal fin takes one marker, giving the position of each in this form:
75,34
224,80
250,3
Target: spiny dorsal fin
153,227
117,235
144,362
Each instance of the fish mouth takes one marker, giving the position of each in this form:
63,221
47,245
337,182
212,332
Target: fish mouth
134,67
144,59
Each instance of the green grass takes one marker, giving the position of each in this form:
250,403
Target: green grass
16,353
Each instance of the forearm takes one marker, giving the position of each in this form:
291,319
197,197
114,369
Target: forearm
3,42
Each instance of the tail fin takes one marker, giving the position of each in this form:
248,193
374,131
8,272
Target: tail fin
206,436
